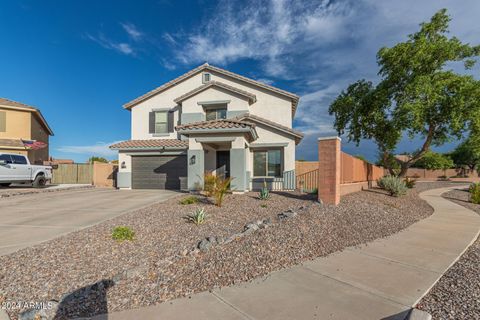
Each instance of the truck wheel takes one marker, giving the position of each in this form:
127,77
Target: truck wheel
39,182
5,184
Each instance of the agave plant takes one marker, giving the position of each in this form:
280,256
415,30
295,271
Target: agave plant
264,193
198,217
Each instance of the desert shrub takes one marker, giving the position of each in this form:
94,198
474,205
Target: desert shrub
263,205
198,216
410,183
121,233
443,178
220,190
394,185
189,200
475,193
209,181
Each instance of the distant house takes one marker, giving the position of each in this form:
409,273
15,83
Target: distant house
24,130
52,161
210,120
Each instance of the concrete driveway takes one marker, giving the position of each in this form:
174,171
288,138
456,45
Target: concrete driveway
30,219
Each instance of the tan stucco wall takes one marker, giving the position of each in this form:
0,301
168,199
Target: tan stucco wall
38,133
17,124
24,125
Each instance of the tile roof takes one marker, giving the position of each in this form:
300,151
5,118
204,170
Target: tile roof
14,104
247,116
251,97
152,143
13,143
206,66
215,124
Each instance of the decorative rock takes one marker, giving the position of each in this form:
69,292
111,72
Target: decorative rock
204,245
220,240
287,214
251,226
267,221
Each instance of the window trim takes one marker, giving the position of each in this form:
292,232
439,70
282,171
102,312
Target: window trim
282,160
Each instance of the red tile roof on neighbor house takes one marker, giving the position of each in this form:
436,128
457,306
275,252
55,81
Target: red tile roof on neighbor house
215,124
251,97
152,143
294,98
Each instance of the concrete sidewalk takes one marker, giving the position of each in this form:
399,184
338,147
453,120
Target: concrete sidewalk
381,280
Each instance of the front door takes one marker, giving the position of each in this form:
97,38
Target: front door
223,164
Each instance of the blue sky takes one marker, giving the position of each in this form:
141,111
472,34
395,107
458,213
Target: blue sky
79,61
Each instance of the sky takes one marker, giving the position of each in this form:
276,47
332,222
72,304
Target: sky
80,61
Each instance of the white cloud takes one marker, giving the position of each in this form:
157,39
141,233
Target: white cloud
98,149
132,31
106,43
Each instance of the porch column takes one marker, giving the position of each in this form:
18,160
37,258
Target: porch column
196,165
329,170
238,170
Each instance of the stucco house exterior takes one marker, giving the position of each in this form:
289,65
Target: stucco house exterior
210,120
20,123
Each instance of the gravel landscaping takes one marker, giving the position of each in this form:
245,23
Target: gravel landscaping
457,294
90,273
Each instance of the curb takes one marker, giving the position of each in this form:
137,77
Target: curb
416,314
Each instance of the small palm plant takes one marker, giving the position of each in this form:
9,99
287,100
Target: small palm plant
198,217
221,188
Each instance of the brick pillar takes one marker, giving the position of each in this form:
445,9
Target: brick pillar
329,170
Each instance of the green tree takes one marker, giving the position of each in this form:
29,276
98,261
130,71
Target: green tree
416,95
434,161
97,159
467,154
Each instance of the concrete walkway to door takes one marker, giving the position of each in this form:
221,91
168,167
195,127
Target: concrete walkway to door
381,280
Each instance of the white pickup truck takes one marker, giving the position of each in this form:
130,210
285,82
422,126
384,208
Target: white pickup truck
16,168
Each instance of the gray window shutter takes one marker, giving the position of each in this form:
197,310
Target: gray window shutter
171,123
151,122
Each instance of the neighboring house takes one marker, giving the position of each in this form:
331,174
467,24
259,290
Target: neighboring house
22,126
51,161
210,120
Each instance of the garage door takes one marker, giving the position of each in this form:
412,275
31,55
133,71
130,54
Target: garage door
158,172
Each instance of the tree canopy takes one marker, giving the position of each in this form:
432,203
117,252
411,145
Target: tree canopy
467,154
416,95
97,159
434,161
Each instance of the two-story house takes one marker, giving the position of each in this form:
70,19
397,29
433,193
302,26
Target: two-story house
210,120
20,126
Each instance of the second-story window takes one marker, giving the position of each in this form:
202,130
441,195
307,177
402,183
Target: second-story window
215,114
161,122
